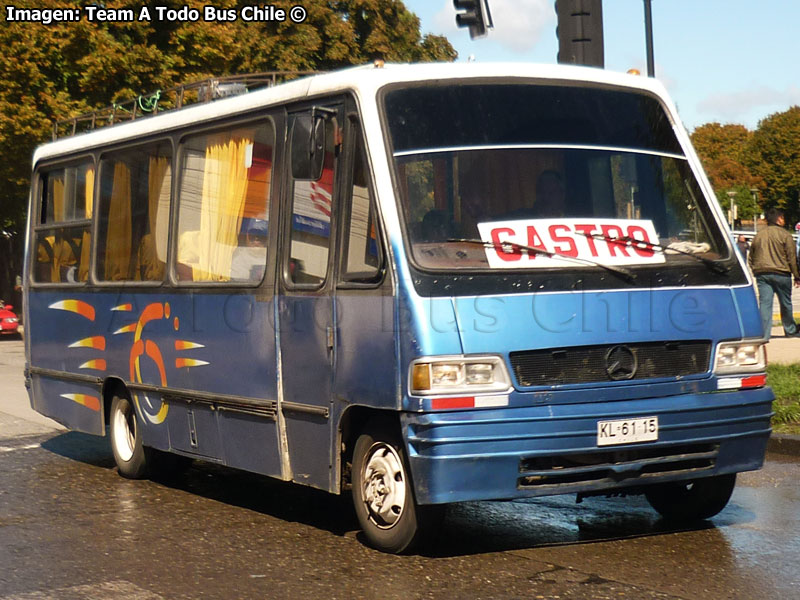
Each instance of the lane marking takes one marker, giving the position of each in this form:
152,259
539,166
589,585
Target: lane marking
12,449
110,590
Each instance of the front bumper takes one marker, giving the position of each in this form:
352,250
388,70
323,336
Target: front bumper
552,449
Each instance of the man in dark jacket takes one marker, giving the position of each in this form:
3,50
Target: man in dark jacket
773,261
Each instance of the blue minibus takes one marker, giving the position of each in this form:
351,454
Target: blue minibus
419,284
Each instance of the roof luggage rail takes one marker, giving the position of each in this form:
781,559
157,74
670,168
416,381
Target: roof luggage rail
174,98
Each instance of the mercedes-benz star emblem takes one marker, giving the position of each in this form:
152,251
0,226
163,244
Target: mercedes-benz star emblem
621,363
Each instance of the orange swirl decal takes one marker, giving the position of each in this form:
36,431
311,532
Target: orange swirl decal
143,347
76,306
97,342
98,364
90,402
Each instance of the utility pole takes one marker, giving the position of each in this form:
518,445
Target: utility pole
648,34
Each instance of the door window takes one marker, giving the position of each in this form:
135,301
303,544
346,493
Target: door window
362,260
312,207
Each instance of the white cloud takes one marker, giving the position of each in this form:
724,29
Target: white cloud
736,106
518,24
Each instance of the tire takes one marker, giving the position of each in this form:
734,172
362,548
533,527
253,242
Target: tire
126,439
383,495
691,500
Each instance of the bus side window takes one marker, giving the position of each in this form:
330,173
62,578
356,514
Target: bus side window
362,256
63,236
133,214
310,227
224,205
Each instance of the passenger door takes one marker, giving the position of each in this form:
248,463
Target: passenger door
305,306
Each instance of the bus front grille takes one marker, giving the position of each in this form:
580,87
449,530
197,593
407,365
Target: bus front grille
588,364
616,465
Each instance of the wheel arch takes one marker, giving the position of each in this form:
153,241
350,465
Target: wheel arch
354,421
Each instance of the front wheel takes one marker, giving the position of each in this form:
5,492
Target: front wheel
383,495
691,500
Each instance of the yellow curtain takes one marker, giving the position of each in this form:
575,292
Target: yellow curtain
58,199
158,175
224,192
118,234
150,258
86,243
89,191
58,215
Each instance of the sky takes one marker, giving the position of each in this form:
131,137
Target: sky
725,61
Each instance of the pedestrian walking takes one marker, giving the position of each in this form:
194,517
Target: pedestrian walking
773,261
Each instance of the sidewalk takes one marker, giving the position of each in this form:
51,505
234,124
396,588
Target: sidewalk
782,350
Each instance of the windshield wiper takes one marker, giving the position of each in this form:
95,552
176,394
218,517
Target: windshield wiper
509,247
711,264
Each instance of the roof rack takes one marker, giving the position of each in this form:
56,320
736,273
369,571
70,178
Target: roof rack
173,98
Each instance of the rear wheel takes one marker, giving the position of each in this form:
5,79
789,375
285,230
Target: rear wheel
126,439
383,495
134,460
692,500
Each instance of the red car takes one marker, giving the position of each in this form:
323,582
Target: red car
9,323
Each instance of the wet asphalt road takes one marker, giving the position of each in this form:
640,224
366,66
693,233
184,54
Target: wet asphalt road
71,528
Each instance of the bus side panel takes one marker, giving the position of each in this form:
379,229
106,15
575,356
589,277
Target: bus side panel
306,359
62,335
75,405
194,430
214,343
250,443
223,344
365,360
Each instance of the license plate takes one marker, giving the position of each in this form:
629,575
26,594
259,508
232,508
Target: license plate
627,431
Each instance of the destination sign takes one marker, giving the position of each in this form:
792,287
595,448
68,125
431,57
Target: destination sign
567,242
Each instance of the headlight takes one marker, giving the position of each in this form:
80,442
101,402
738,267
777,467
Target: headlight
10,319
457,375
740,357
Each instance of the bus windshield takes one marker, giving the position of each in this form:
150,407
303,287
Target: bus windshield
535,176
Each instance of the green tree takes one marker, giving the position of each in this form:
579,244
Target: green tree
723,151
773,153
747,206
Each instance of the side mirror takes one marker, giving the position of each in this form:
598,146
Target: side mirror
308,146
8,307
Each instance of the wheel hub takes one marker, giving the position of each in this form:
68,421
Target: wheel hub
124,425
384,485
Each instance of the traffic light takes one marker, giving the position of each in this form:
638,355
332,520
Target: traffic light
476,16
580,32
